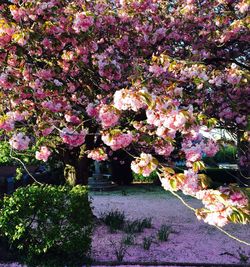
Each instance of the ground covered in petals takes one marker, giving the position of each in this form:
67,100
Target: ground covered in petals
190,240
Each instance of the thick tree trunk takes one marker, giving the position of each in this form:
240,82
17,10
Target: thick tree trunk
82,170
76,162
243,160
77,173
76,170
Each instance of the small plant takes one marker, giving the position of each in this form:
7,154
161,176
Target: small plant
114,220
137,226
242,256
147,241
128,240
120,250
163,232
134,227
147,222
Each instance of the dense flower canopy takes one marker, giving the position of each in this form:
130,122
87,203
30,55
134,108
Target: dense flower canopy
145,76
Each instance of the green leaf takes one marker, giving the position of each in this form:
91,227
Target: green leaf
173,184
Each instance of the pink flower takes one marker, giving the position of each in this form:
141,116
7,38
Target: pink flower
144,165
190,185
7,124
73,138
243,6
193,154
82,22
91,110
19,141
98,154
47,131
72,118
210,148
217,218
238,199
164,149
109,69
108,116
117,140
156,70
128,100
241,120
43,154
17,116
175,120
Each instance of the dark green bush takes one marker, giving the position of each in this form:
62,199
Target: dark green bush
42,220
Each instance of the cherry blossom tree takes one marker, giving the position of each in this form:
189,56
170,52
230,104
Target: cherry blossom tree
83,79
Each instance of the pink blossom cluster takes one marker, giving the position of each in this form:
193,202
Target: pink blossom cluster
17,115
191,184
55,106
19,141
195,150
109,69
72,137
236,198
97,154
188,182
243,6
72,119
126,99
109,116
162,148
167,117
215,211
43,154
144,165
117,140
82,22
7,124
47,131
92,110
219,205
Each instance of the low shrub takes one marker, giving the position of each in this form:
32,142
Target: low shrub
48,220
